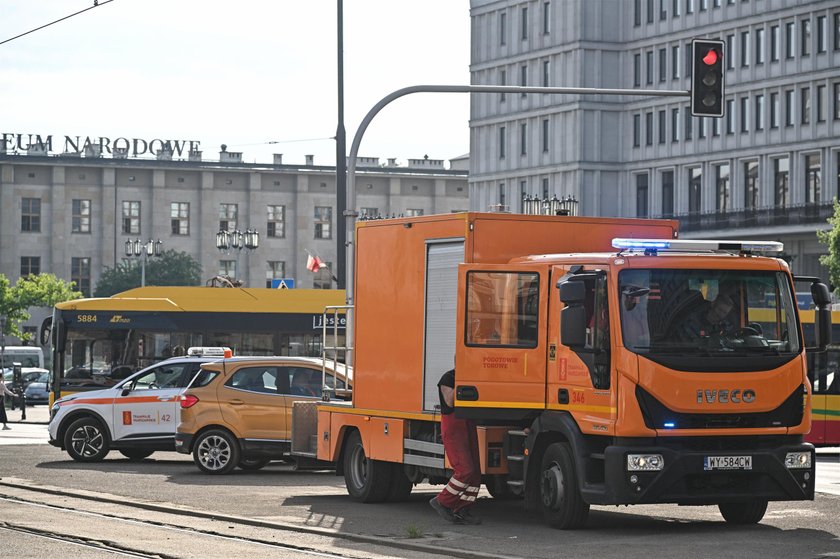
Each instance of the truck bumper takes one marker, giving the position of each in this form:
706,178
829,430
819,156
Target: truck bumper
183,443
687,479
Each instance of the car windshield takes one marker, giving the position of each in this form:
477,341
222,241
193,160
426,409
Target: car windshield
707,313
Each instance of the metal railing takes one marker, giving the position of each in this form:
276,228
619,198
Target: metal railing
757,217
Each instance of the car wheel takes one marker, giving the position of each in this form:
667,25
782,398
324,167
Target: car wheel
562,505
216,452
367,481
86,440
750,512
253,464
136,454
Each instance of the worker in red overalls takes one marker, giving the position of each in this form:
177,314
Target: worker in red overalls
460,442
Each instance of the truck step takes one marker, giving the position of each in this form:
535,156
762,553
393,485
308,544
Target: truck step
516,458
597,455
516,483
517,433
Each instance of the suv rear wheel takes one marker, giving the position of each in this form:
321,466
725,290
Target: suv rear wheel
216,452
253,463
86,440
136,454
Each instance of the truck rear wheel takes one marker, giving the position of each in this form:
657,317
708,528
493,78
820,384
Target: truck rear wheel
367,480
750,512
562,505
86,440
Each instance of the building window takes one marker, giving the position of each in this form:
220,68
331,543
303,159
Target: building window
805,102
275,269
759,112
775,47
730,49
812,179
759,46
30,265
80,274
663,65
730,116
523,139
502,142
276,226
130,217
789,107
751,185
649,68
722,191
688,61
637,130
227,268
369,213
649,129
650,11
323,222
781,179
745,114
820,103
789,39
179,215
689,7
675,8
637,70
414,212
523,77
323,278
545,135
81,216
503,28
774,110
675,62
637,13
662,127
663,13
716,127
502,195
228,214
688,132
642,195
675,125
695,193
523,189
30,215
524,16
502,81
806,37
745,48
667,193
822,41
704,5
545,68
837,31
545,188
837,101
701,127
546,18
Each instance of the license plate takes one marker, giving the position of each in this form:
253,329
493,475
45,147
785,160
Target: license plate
727,463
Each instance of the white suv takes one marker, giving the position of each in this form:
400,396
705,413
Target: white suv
137,416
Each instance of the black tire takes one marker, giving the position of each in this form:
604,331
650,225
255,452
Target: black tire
136,454
562,505
498,488
367,481
216,452
749,512
86,440
253,464
401,486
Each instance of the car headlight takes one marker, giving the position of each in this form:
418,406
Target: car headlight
797,460
645,462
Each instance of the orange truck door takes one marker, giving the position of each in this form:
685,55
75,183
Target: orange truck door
501,337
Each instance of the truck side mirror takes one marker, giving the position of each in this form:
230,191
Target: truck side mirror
573,315
822,314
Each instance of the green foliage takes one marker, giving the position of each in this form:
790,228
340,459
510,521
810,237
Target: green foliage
43,290
831,239
170,268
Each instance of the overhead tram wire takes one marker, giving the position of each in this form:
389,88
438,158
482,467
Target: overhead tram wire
96,4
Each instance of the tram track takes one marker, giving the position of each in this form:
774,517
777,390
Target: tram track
405,545
98,545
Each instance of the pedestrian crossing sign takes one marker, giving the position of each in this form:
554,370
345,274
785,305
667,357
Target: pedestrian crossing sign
283,283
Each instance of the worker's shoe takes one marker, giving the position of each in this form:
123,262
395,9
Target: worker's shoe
443,512
6,427
464,516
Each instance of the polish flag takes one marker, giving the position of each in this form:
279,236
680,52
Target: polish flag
313,263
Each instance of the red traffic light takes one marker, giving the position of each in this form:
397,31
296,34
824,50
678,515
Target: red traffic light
711,57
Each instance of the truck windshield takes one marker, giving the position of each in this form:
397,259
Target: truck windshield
715,313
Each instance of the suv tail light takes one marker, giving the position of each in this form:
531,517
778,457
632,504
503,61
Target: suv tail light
188,401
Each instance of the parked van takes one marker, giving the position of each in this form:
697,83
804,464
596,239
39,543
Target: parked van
26,355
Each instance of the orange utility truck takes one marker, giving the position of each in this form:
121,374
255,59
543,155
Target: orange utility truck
605,362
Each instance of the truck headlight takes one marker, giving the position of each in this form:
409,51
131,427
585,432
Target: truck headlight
797,460
645,462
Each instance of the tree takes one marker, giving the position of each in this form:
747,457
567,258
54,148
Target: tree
170,268
42,290
831,238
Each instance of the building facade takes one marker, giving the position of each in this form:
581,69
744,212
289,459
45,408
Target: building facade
71,214
770,168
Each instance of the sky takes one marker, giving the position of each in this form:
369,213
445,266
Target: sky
241,73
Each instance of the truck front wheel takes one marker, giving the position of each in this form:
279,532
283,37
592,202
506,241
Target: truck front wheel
562,505
367,480
750,512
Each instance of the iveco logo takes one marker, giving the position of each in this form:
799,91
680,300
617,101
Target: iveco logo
736,396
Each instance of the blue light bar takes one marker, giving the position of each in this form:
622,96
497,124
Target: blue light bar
697,245
669,425
641,243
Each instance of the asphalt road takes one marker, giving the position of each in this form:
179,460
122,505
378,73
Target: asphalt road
797,529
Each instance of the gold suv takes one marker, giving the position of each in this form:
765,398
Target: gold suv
238,412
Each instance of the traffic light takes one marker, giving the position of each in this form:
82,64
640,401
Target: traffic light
707,78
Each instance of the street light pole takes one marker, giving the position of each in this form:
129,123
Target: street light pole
143,251
340,159
237,240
